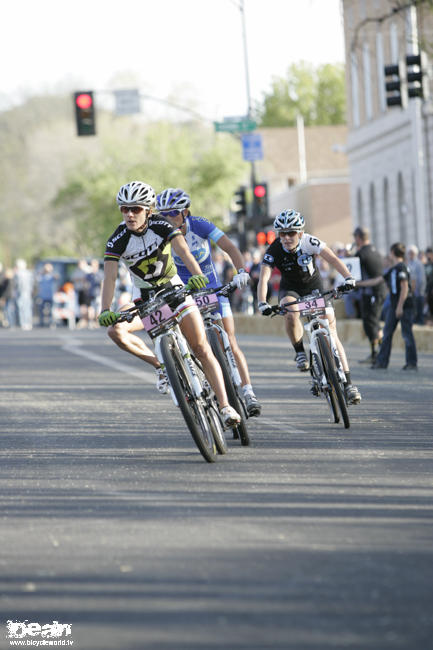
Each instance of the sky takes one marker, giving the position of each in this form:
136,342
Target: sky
190,51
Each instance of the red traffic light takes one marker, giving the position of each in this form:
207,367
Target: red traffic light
259,191
84,101
270,237
261,238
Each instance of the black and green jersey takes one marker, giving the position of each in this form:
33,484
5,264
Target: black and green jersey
147,255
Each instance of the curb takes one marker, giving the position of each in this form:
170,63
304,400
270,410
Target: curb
349,331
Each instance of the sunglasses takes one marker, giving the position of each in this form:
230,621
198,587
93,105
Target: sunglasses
170,213
135,209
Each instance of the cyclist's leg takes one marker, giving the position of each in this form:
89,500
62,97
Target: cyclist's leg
252,404
193,329
294,329
330,314
122,335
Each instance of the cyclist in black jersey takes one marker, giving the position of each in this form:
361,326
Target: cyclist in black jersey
144,244
293,253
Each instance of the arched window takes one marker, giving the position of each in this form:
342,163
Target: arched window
386,215
402,209
373,216
359,208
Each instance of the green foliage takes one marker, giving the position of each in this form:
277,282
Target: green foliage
163,155
318,94
58,191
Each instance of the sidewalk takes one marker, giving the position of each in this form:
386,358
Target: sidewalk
349,331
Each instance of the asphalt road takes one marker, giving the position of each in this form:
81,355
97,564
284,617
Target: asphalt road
315,537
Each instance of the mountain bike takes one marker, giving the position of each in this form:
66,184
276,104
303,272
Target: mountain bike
326,369
189,388
207,302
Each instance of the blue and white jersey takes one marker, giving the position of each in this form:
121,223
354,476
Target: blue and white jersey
199,233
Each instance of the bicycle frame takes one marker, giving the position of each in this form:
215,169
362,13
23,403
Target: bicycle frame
158,326
326,368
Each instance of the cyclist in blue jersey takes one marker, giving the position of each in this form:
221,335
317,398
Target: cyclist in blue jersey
174,204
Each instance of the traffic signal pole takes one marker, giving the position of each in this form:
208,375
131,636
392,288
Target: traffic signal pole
247,82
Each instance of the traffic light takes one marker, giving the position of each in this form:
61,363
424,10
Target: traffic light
260,201
85,113
417,80
240,202
395,85
264,238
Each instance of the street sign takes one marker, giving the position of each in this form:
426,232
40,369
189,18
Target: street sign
127,101
237,126
252,148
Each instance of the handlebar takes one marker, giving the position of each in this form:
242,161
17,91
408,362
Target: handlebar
334,294
168,295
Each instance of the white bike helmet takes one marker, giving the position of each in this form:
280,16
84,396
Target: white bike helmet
136,193
289,220
172,199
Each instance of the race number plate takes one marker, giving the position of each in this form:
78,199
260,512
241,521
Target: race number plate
315,305
157,318
208,302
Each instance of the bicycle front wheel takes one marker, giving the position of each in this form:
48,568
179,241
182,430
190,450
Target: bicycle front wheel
232,394
336,395
192,407
316,371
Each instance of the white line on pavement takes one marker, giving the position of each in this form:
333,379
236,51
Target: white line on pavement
75,348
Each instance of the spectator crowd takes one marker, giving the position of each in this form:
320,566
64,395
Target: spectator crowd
43,297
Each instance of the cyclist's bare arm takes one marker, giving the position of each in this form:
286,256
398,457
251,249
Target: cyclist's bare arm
232,251
181,249
262,287
335,261
108,284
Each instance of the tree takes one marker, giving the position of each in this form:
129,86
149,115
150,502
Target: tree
162,154
318,94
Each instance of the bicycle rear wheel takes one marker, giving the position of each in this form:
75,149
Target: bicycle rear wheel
232,394
193,408
336,391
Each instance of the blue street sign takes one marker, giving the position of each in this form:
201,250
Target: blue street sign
252,148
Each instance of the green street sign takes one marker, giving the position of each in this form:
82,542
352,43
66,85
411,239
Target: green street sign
235,127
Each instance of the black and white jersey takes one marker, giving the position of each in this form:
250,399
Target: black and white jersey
393,278
147,255
298,269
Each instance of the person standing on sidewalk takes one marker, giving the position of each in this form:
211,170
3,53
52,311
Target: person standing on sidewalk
372,297
401,309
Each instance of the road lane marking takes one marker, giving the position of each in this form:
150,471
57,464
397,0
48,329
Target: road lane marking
75,347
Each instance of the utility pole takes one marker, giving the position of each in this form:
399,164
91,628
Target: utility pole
247,84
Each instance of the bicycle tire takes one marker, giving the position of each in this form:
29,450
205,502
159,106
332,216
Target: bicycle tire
329,393
193,412
331,375
217,430
232,395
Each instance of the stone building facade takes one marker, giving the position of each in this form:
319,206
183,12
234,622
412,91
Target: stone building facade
390,149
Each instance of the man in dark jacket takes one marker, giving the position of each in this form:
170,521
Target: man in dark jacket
372,298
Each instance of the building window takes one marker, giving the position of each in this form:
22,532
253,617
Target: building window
359,208
355,90
373,216
367,81
393,38
380,76
402,209
387,219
